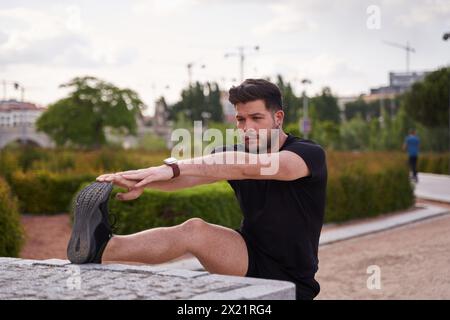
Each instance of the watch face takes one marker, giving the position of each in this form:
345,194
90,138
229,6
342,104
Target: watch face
170,160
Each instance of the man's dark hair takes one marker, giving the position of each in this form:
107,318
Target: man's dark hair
257,89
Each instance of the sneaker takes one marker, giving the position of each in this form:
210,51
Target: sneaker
91,228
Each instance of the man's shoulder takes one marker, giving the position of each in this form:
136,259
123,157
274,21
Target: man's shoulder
294,142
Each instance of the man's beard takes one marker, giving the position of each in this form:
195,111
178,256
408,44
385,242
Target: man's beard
261,146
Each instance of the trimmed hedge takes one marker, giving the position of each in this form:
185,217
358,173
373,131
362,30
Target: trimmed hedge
215,203
11,232
359,185
43,192
433,163
355,193
76,161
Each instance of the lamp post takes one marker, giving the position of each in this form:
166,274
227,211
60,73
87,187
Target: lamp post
189,66
446,36
16,86
306,123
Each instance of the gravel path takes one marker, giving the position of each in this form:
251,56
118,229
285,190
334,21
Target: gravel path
46,236
414,262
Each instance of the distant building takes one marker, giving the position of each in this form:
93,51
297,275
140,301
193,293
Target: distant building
160,121
17,123
342,101
14,113
399,82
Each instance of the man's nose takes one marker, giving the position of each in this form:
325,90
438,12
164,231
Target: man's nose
250,130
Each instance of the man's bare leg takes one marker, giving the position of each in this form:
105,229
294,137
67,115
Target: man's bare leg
220,250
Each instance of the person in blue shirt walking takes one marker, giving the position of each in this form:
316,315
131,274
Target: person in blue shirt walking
411,144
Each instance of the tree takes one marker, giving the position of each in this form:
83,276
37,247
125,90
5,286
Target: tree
199,102
92,105
325,106
427,101
327,134
291,103
354,134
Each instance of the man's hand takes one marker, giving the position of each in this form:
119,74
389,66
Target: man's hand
136,180
149,175
118,180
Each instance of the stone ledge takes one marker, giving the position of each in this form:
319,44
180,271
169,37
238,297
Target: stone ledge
59,279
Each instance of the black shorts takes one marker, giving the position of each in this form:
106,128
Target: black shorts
261,266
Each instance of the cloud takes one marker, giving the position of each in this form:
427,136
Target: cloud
3,37
285,20
161,7
424,12
288,16
29,36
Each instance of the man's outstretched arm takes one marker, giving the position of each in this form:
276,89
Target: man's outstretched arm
284,165
167,185
230,165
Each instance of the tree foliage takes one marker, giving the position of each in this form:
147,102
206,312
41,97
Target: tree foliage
92,105
199,102
428,101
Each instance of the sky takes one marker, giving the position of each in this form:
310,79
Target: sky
146,45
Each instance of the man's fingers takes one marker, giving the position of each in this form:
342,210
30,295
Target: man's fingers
130,171
144,182
108,176
131,195
122,182
103,177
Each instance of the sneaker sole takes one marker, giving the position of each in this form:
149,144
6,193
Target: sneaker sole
87,216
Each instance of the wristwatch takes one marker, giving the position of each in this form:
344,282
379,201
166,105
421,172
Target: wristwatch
173,163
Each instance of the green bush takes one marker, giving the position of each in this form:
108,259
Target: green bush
360,184
356,193
214,203
433,163
42,192
11,233
76,161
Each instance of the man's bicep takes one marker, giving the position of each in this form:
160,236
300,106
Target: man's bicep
313,159
292,166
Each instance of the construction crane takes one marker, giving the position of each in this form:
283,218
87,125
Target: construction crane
241,54
408,49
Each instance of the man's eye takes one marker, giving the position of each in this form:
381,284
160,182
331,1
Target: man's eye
257,118
240,120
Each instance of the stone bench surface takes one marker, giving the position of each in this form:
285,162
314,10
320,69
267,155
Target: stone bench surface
59,279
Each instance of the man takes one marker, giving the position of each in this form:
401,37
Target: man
283,210
411,144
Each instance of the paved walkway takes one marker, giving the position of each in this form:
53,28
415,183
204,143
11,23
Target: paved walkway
433,187
411,262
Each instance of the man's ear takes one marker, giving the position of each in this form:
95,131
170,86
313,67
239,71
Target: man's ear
278,117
